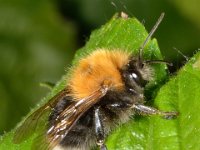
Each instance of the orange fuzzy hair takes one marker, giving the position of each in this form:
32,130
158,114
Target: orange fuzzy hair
99,68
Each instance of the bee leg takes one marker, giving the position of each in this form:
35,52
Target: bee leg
147,110
99,131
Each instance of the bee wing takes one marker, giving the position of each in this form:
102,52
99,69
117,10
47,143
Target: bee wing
29,125
66,120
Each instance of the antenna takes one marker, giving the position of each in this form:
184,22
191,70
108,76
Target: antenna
149,36
186,58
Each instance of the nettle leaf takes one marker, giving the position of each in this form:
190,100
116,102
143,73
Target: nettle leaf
141,132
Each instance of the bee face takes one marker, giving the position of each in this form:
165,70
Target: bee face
134,77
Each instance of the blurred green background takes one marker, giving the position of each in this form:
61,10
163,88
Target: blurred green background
39,37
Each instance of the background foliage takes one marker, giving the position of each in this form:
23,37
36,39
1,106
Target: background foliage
39,37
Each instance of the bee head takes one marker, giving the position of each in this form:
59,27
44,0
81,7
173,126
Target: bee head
136,75
137,72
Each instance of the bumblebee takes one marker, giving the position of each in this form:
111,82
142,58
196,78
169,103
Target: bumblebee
103,90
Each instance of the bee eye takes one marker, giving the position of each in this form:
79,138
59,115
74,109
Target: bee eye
134,76
137,78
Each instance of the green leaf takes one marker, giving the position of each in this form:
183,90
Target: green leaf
118,33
